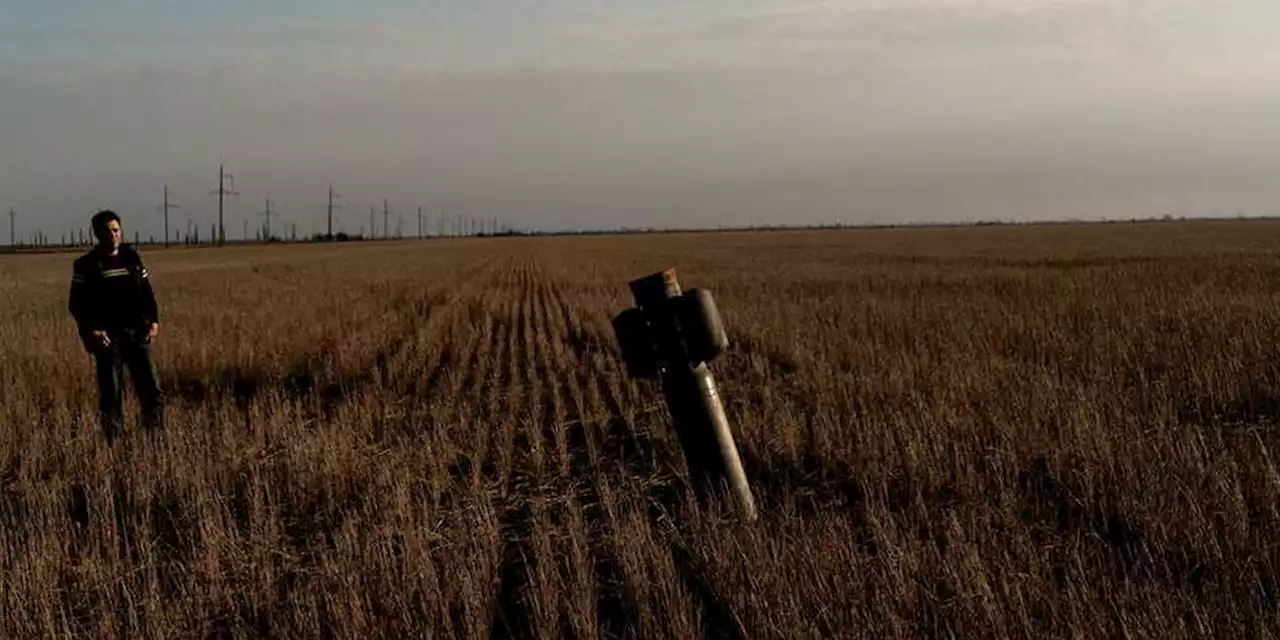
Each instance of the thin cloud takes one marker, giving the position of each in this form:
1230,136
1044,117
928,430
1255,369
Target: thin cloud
931,32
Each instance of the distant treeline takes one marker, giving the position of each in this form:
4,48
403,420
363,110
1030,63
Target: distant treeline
40,242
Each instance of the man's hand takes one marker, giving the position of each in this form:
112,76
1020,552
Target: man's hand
153,331
98,340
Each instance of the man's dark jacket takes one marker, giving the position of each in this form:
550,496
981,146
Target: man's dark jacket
112,294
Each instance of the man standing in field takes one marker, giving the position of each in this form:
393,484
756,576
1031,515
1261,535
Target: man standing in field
115,311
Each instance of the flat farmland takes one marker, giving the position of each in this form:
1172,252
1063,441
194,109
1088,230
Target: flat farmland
1053,431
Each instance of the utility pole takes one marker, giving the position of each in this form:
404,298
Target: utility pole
267,231
332,195
223,190
372,233
13,240
419,223
386,230
166,207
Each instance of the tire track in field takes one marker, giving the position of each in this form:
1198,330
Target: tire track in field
609,412
583,448
452,361
492,389
591,556
426,315
489,386
463,412
506,395
552,513
470,341
531,410
315,379
556,430
614,444
550,381
573,556
580,418
417,400
517,614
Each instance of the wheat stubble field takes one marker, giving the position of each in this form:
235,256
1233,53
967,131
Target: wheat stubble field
986,432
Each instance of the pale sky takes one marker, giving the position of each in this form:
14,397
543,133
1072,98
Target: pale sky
598,114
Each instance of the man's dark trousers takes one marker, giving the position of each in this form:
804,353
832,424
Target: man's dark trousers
128,350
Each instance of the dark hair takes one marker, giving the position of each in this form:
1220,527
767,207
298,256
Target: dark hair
101,218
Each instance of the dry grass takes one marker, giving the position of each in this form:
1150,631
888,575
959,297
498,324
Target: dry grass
1040,432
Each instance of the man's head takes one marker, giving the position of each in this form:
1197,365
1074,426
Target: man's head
106,228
